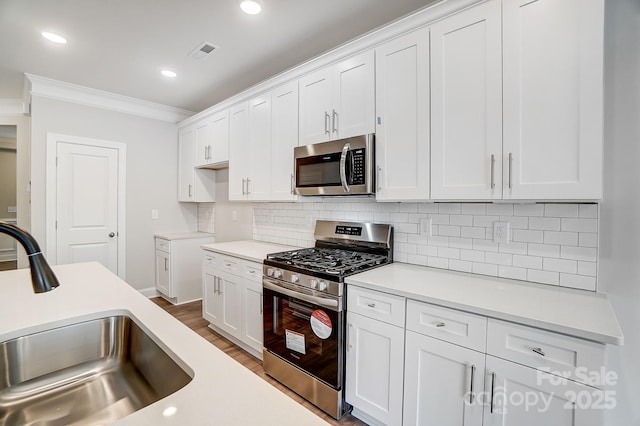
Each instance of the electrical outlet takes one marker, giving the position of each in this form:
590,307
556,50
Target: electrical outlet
155,214
425,227
12,209
501,232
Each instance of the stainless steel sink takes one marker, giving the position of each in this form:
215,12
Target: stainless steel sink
88,373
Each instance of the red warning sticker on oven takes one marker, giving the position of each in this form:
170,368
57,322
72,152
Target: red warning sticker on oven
321,324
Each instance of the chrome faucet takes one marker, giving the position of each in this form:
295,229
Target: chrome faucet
42,277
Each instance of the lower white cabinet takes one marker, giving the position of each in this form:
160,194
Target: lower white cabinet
232,301
518,395
443,383
177,275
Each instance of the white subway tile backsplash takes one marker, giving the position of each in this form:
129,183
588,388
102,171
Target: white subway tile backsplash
550,243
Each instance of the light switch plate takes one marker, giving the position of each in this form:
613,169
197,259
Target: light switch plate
155,214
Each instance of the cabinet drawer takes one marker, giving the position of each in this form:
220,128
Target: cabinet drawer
163,245
210,258
451,325
252,271
574,358
374,304
232,265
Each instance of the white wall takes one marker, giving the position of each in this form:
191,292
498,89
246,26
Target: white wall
619,274
151,175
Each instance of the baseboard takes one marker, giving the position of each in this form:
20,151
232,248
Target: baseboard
149,292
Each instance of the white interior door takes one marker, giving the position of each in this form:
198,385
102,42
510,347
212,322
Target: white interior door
87,204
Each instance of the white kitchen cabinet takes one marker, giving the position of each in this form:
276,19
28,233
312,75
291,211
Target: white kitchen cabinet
466,105
177,276
375,356
521,396
338,101
238,150
402,126
212,140
443,383
553,99
259,152
284,138
232,300
194,185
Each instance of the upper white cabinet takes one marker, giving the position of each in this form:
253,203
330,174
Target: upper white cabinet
338,101
517,102
238,150
466,105
196,185
284,137
402,129
553,98
212,140
259,152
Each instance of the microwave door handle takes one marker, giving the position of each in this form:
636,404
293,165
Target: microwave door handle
343,167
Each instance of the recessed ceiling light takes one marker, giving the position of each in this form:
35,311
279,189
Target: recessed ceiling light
251,7
169,73
56,38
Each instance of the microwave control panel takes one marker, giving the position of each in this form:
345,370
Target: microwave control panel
357,178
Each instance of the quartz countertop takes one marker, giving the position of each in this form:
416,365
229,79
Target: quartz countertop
184,235
252,250
578,313
222,391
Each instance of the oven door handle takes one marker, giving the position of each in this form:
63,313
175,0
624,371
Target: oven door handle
343,167
321,301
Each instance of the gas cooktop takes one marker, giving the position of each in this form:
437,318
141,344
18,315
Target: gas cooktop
332,261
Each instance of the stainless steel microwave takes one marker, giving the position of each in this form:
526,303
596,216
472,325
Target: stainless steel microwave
340,167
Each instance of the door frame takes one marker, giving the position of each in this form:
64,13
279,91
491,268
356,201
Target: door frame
51,193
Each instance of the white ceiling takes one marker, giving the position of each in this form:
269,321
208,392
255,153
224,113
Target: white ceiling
120,45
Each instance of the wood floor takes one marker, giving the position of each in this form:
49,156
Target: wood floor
191,315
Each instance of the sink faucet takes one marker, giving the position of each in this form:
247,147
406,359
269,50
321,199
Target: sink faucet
42,277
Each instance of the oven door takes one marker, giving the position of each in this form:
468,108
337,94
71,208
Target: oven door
304,329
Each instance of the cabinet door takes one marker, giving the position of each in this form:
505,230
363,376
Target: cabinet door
353,110
211,300
163,273
284,130
259,152
203,142
252,318
375,353
229,288
553,105
219,151
238,147
186,159
522,396
315,107
466,105
443,383
402,105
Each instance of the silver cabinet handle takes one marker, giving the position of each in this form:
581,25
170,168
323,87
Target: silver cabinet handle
349,346
440,324
326,122
219,285
243,181
292,191
261,303
210,152
248,180
493,382
206,152
166,268
510,168
190,187
379,178
371,305
215,285
343,167
539,351
471,390
335,121
493,167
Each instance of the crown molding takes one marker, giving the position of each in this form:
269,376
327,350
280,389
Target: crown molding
68,92
12,107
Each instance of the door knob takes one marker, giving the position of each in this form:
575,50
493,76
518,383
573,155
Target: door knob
111,234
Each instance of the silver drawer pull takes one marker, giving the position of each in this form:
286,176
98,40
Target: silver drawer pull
252,271
440,324
227,264
539,351
371,305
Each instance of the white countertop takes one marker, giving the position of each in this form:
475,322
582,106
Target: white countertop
222,391
255,251
184,235
579,313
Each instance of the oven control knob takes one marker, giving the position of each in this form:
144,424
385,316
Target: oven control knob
277,273
270,272
314,283
322,285
295,278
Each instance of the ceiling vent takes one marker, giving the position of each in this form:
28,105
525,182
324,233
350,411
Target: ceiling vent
203,50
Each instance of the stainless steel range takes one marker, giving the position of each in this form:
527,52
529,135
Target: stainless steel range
304,308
